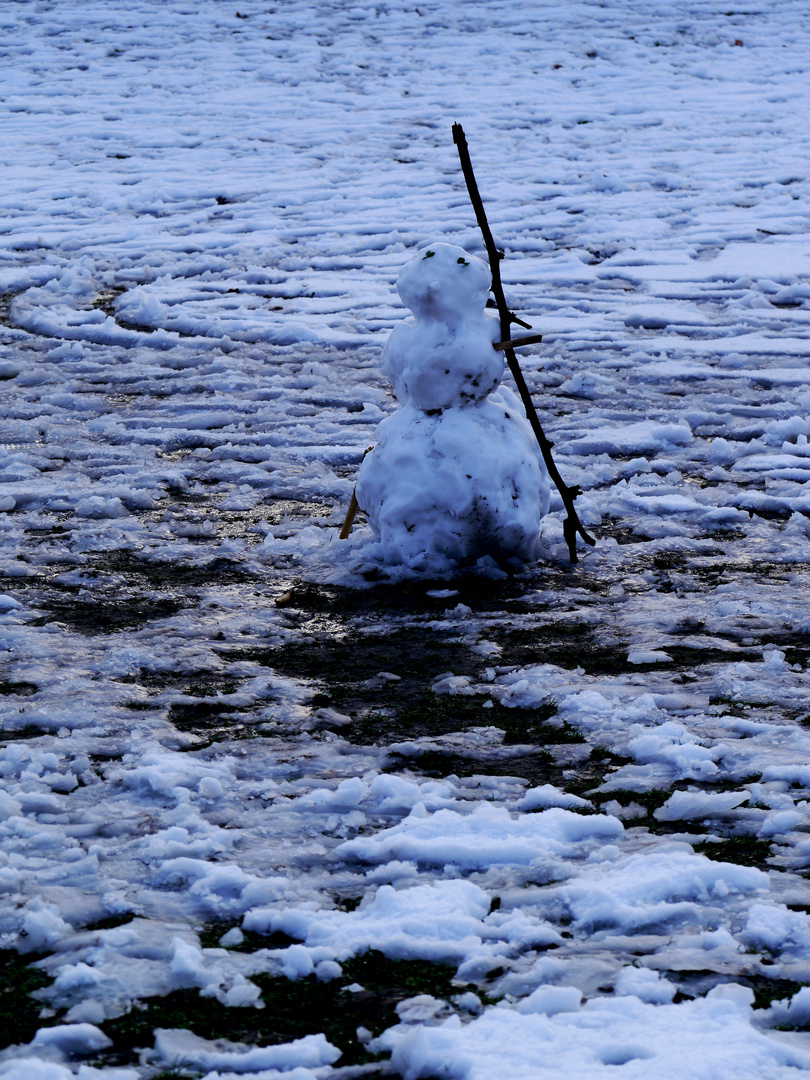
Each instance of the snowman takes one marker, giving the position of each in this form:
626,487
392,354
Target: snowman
456,474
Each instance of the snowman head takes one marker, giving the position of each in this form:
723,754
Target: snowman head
444,282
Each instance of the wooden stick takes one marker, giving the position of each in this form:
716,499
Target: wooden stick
532,339
572,525
348,521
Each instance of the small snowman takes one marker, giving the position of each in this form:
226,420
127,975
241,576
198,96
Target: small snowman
456,474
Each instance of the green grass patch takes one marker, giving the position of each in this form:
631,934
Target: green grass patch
110,922
411,597
293,1008
27,731
565,644
345,660
536,767
209,689
649,800
176,1074
161,574
432,714
19,1012
105,616
766,991
743,850
345,666
21,688
210,935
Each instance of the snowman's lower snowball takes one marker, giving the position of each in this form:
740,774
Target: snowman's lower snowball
447,488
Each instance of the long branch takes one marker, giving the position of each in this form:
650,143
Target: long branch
572,525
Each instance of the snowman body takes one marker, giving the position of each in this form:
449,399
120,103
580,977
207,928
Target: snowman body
456,473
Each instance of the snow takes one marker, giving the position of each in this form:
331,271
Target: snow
712,1036
31,1068
72,1038
182,1049
441,922
205,214
488,835
694,804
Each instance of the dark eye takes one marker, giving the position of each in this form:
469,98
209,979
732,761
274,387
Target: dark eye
428,255
463,262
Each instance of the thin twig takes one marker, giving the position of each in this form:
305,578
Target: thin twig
572,525
513,343
348,521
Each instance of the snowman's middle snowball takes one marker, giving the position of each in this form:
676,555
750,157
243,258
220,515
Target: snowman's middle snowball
445,358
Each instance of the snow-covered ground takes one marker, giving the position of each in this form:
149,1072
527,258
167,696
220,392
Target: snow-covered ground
264,816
